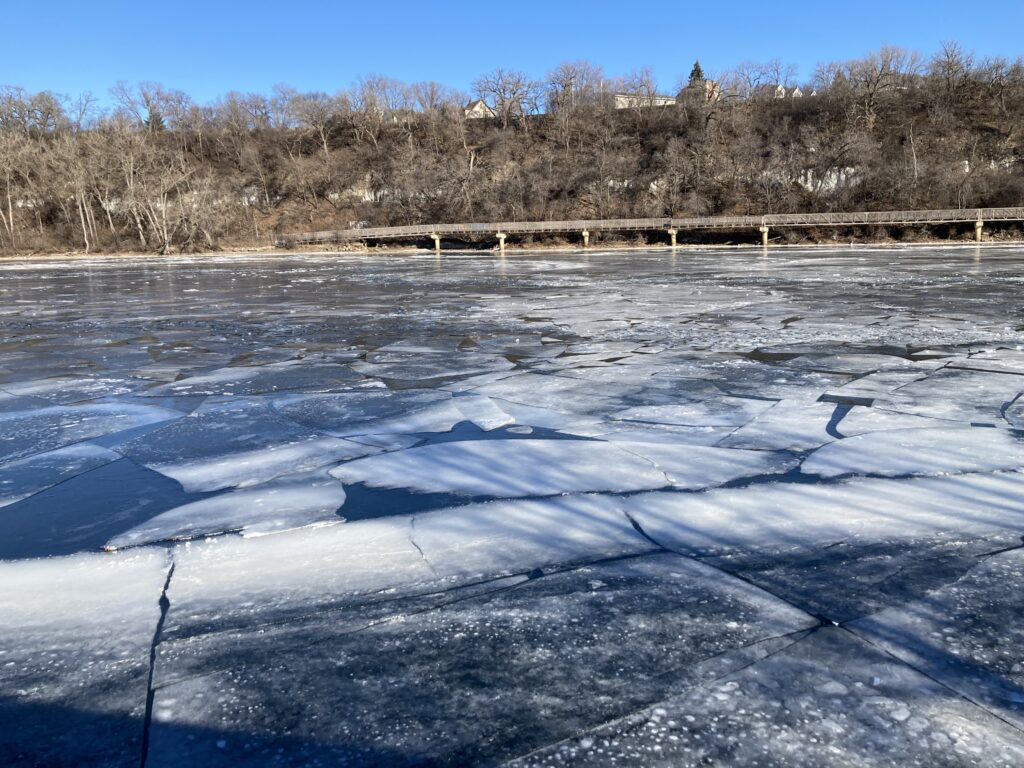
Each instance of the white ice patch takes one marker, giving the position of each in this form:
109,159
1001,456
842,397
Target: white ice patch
860,420
373,412
21,479
721,412
236,577
785,426
77,631
1007,360
635,432
69,389
212,473
280,505
515,468
563,394
98,592
216,382
507,468
961,395
545,418
231,577
502,537
692,467
1015,413
483,412
899,452
436,418
30,432
795,516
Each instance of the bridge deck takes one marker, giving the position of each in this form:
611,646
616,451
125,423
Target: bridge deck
953,216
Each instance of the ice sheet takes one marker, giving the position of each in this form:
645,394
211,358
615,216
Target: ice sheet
236,443
536,659
785,426
693,467
374,412
245,468
75,639
899,452
797,515
45,429
279,505
20,479
965,634
720,412
507,468
393,627
826,699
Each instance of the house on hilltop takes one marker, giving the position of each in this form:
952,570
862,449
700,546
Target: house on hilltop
478,109
768,91
633,100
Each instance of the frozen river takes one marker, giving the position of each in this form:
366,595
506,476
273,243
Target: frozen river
721,507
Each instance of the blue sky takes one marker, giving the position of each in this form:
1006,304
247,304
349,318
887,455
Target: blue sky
208,48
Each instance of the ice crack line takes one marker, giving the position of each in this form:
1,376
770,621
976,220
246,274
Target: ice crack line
822,620
947,686
165,605
412,540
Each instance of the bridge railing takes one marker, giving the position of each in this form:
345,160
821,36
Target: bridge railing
949,216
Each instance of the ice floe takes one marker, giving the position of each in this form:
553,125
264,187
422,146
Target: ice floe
898,452
46,429
797,515
283,504
76,634
22,478
507,468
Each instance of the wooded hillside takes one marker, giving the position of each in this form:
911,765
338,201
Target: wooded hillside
155,171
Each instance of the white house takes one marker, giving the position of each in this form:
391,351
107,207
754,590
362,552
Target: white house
478,109
632,100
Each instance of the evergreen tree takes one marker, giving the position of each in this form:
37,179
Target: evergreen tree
697,77
154,122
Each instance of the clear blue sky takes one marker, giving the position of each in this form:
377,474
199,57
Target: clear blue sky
208,48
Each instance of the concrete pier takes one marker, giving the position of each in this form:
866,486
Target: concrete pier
586,238
437,244
501,242
764,235
672,236
979,225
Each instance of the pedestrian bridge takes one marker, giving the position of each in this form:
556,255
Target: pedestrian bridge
670,225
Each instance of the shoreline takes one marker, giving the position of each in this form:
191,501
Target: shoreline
511,249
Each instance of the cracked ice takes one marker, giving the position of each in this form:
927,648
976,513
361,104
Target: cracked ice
645,508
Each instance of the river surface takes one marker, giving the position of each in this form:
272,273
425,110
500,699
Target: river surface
575,493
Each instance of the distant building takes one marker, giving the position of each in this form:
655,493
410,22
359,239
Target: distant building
478,109
712,90
767,91
698,91
632,100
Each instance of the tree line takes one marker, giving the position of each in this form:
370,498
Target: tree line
156,171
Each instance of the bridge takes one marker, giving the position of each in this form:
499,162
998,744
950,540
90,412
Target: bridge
670,225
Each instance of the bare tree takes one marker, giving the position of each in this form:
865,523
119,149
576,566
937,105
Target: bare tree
511,94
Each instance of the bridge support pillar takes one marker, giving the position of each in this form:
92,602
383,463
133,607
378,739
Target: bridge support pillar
437,244
979,225
672,236
586,238
501,242
764,236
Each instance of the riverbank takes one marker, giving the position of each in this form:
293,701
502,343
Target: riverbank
510,248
